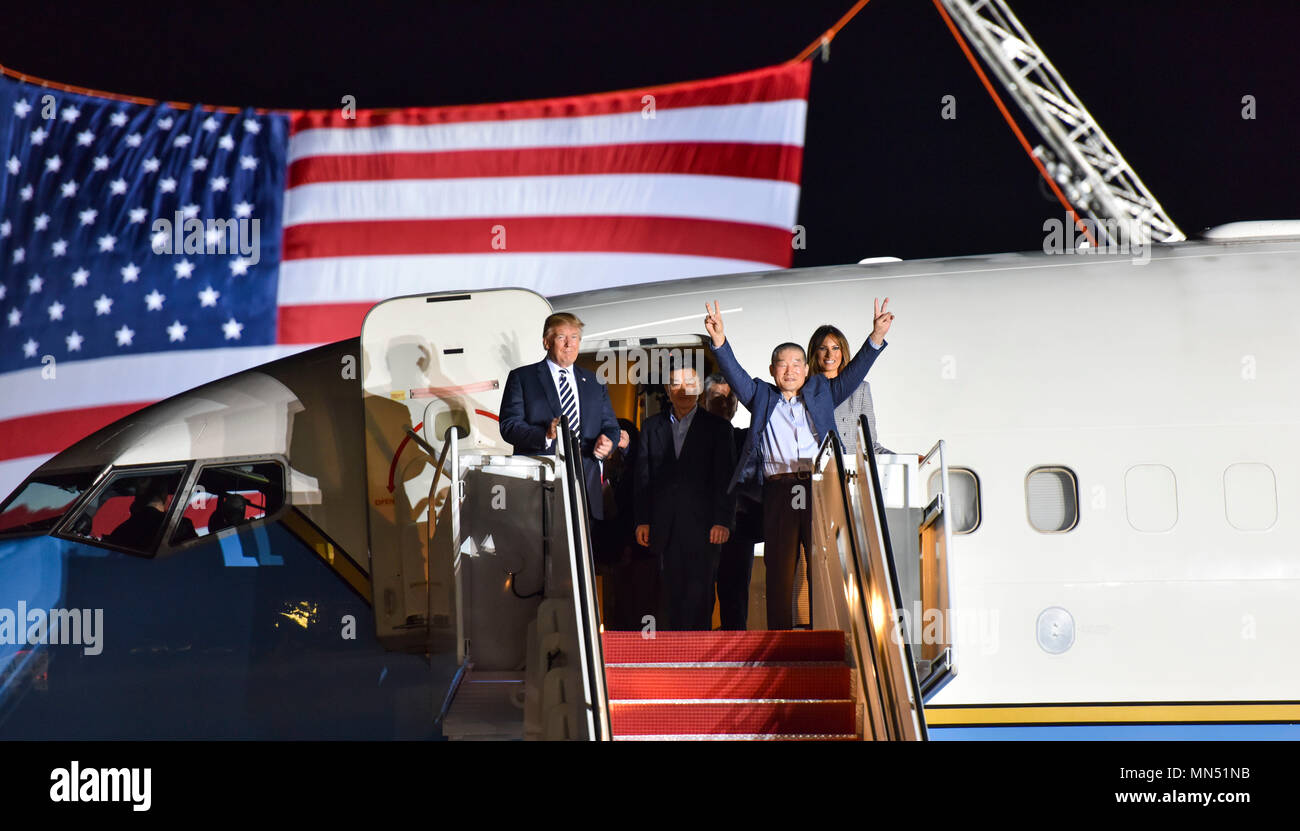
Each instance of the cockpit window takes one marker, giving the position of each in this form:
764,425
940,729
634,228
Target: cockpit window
231,495
43,501
129,510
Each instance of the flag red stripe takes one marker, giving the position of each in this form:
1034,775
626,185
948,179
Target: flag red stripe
321,322
778,162
778,83
33,435
544,234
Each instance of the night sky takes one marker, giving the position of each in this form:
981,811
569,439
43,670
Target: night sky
883,173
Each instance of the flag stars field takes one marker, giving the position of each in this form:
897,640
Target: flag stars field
352,212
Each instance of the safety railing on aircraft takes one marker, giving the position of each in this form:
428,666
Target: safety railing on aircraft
583,574
854,588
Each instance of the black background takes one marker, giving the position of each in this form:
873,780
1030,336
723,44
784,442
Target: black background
884,175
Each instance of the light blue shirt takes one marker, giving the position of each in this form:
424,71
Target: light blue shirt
681,426
790,441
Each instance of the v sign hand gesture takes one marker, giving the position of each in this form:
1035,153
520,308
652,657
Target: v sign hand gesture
883,319
713,324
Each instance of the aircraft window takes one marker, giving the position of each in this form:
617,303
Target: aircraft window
1250,496
43,501
1151,496
1052,499
963,498
128,512
230,495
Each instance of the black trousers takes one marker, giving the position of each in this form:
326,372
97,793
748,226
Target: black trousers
689,568
735,566
787,533
635,585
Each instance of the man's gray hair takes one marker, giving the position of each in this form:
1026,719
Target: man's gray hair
715,379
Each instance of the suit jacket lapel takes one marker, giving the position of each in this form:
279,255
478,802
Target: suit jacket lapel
548,384
663,437
692,433
583,385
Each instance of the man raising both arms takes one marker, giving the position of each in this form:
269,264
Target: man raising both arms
788,421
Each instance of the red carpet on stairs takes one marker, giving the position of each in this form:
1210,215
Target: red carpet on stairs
718,685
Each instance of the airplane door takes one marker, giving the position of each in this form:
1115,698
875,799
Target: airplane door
431,363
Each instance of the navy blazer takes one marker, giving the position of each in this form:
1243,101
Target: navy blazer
684,495
821,395
530,401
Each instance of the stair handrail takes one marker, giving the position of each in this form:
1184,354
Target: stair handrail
863,633
583,573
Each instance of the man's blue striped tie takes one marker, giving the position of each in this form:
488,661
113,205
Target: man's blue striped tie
567,403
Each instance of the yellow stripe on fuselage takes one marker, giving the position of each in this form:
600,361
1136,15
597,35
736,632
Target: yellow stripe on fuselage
969,716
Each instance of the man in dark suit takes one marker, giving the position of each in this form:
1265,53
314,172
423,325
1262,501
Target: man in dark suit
736,564
536,395
789,419
683,510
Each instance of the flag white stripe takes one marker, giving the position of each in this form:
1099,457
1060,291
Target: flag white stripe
14,471
153,376
359,279
756,201
765,122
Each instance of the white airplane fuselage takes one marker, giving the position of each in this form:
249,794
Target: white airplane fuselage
1166,391
1101,365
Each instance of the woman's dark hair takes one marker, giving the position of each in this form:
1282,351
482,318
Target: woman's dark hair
816,341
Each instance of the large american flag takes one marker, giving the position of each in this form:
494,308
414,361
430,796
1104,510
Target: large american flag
556,195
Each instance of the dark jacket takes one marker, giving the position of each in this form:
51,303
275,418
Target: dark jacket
529,402
820,396
687,495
